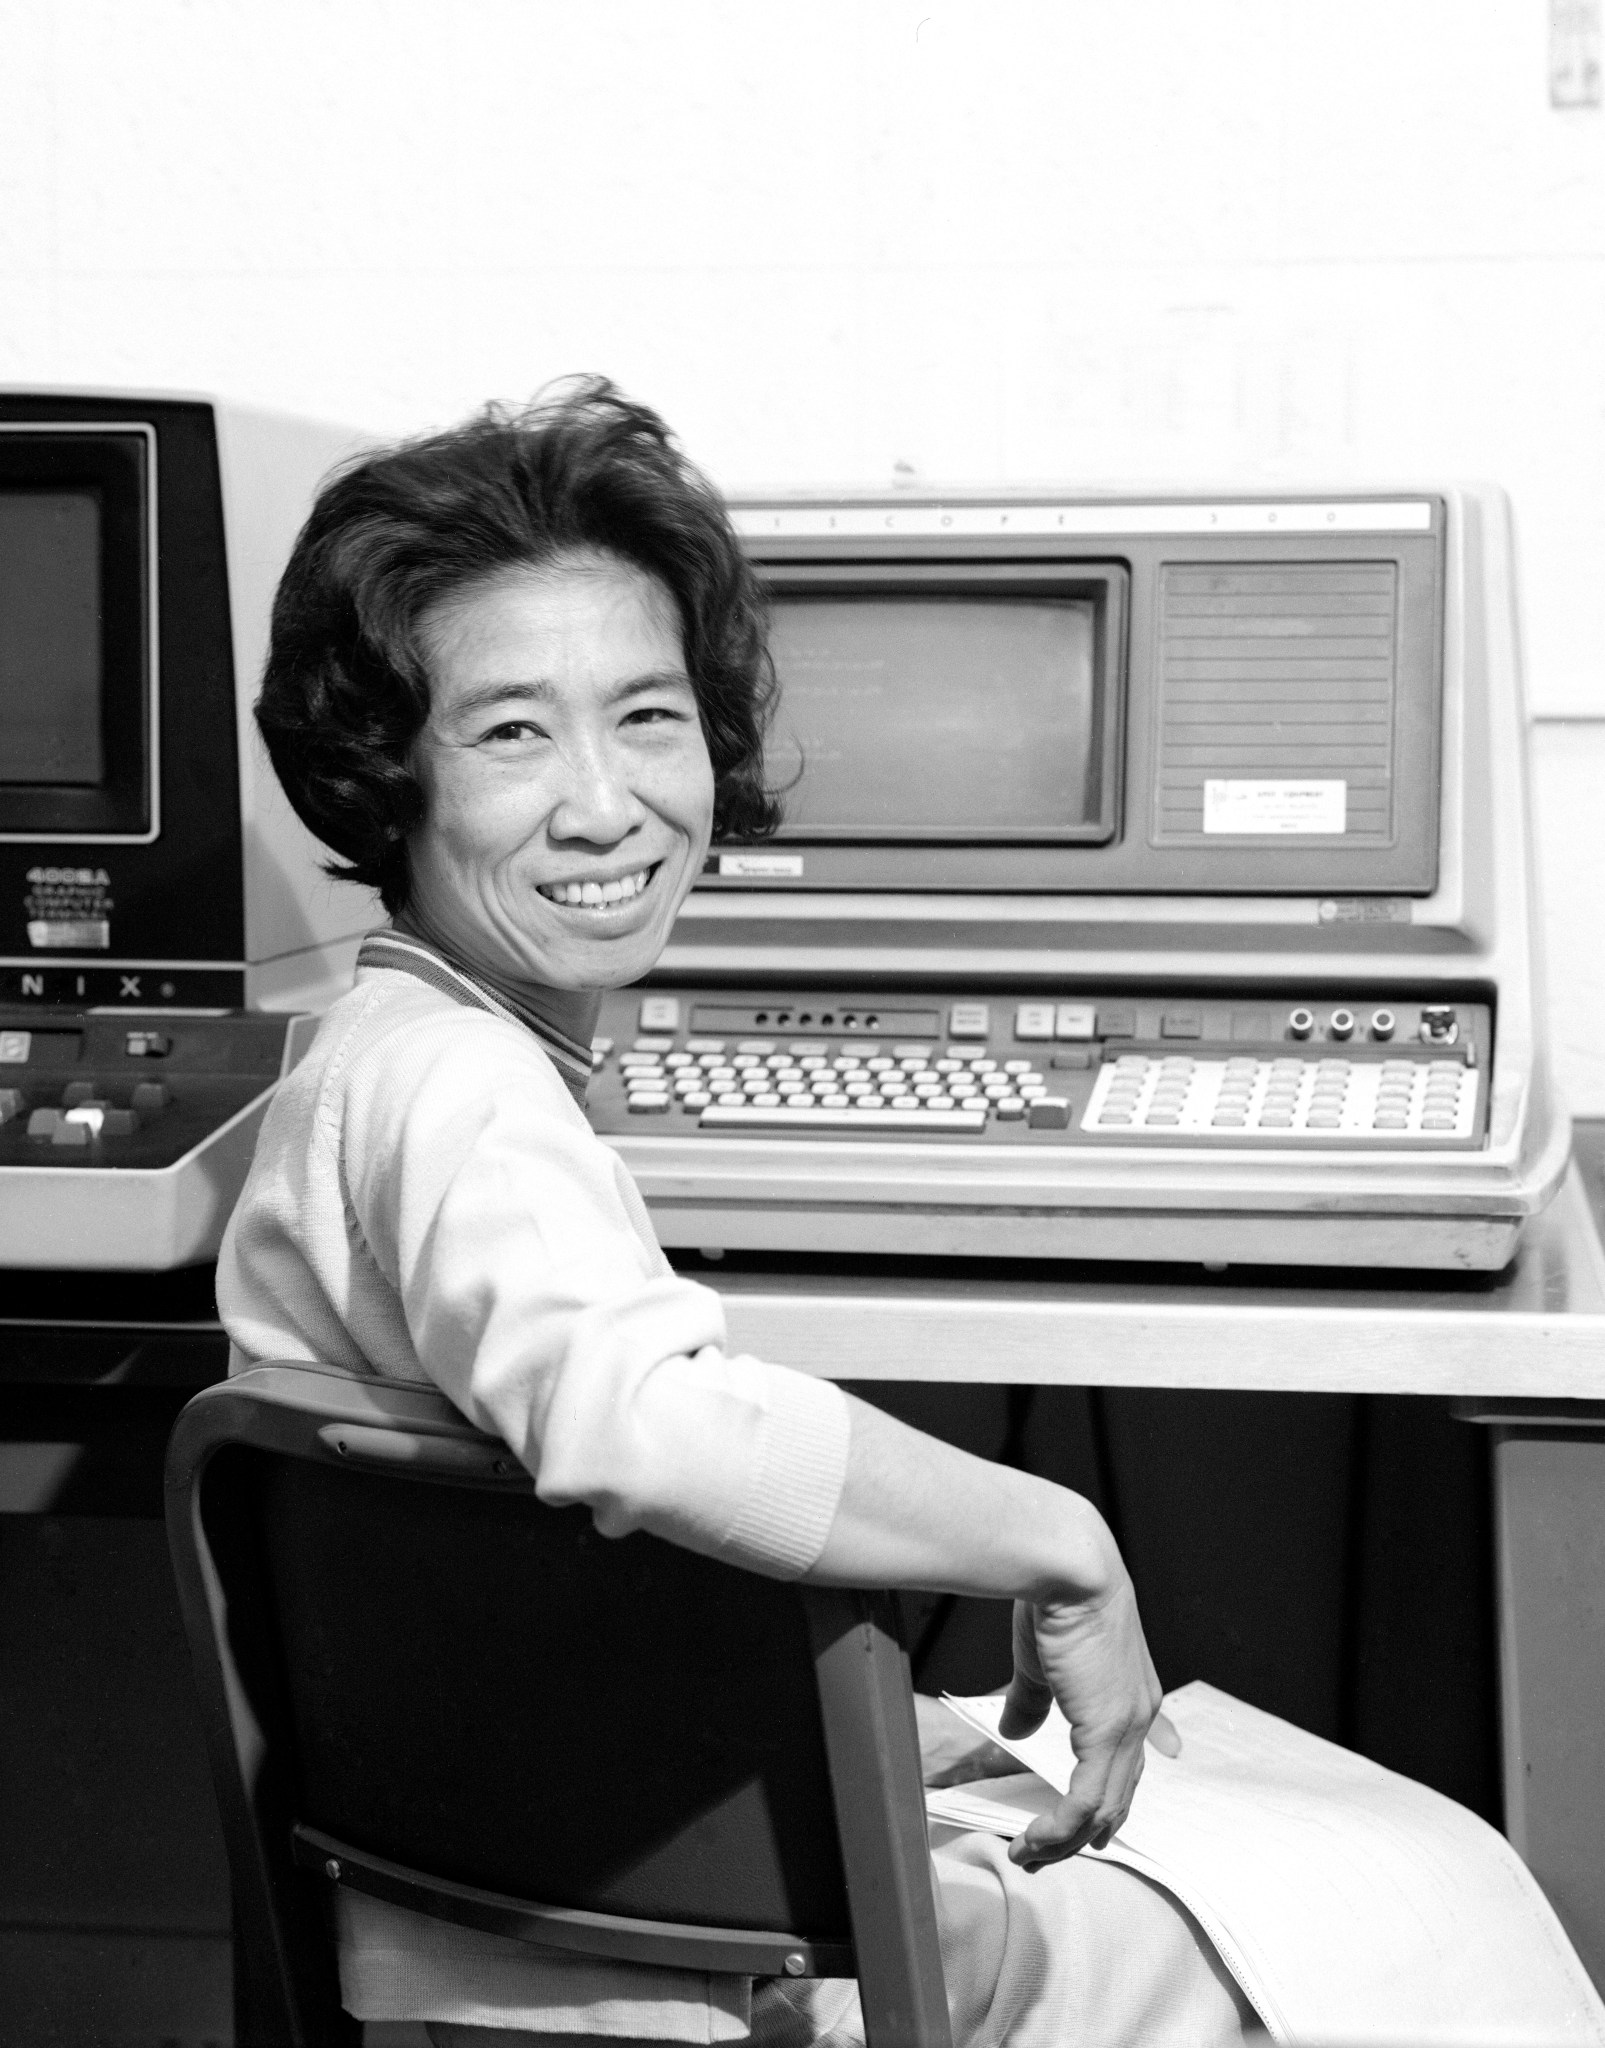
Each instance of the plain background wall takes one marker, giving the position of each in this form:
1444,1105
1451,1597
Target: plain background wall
1191,241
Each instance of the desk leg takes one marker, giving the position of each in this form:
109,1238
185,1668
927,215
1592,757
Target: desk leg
1550,1535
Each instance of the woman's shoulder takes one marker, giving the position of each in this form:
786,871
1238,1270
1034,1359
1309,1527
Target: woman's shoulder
393,1036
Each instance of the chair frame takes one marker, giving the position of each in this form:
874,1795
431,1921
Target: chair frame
281,1867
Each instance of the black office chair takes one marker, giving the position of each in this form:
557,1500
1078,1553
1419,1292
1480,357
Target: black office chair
419,1682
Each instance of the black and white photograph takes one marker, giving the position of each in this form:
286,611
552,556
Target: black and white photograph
802,1095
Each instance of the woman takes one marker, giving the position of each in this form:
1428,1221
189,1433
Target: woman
517,681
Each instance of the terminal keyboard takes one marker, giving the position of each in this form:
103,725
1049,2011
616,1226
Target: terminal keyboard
1300,1073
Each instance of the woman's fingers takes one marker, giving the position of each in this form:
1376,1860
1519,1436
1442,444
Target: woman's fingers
1090,1814
1164,1737
1030,1695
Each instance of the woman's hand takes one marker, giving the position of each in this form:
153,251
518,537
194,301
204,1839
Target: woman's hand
1089,1654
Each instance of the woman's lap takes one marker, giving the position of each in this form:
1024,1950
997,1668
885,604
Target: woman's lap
1083,1952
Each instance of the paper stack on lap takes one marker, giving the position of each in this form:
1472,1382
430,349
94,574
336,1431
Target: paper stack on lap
1351,1904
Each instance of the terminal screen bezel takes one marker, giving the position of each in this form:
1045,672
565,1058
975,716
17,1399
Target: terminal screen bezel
114,467
1102,585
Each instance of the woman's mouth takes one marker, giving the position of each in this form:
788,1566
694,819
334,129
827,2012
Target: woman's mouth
598,895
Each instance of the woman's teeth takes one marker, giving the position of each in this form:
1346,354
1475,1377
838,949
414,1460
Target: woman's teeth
596,893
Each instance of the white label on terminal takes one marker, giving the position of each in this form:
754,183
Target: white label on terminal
15,1047
69,935
1275,807
762,867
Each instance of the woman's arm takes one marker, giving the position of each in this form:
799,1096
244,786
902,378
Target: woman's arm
917,1514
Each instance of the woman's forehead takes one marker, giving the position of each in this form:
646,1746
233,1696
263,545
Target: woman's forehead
575,618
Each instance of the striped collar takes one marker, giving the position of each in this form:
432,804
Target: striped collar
402,953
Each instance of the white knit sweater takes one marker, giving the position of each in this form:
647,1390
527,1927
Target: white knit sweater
427,1204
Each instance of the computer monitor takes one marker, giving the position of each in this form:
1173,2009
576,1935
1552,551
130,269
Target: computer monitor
147,856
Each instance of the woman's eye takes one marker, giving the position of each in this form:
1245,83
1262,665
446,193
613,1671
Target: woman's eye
513,729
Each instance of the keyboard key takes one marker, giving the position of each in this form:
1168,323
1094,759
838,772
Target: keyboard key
642,1103
756,1116
969,1020
1049,1113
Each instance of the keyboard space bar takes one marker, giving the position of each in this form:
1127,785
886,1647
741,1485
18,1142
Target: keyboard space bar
749,1119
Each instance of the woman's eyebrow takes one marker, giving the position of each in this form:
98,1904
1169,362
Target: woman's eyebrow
485,696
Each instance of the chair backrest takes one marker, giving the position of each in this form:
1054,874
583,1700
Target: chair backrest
419,1681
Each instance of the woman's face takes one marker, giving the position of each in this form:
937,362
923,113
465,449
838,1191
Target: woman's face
567,786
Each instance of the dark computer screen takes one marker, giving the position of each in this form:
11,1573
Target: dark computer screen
50,638
936,716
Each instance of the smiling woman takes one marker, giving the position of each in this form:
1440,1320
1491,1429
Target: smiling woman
517,680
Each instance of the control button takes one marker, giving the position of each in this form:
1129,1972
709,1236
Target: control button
660,1013
70,1132
1301,1023
646,1101
12,1103
600,1048
969,1020
1075,1020
149,1098
1049,1113
653,1045
76,1092
701,1045
1117,1023
1341,1024
750,1045
1011,1107
808,1048
90,1114
43,1123
910,1052
147,1045
14,1048
1034,1020
1439,1025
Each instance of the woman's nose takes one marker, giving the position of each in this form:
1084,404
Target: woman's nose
596,802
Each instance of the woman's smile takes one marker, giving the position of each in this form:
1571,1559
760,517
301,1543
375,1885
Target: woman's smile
594,894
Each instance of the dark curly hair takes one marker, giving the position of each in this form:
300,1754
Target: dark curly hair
581,469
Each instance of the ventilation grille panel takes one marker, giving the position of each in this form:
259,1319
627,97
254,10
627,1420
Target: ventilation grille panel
1276,686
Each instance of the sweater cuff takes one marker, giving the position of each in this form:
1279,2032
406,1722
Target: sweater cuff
791,1498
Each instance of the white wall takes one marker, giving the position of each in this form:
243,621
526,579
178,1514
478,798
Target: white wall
1094,240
